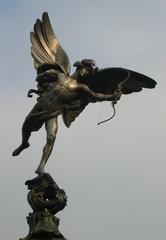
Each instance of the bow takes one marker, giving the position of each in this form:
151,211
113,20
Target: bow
117,94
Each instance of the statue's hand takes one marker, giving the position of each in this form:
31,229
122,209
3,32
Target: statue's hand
117,94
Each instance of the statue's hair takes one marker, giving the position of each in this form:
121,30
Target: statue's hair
85,62
88,62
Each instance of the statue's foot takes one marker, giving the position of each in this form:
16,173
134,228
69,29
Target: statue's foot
20,149
39,171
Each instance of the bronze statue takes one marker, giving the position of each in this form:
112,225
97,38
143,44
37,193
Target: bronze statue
65,94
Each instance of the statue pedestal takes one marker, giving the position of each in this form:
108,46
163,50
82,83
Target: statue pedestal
46,199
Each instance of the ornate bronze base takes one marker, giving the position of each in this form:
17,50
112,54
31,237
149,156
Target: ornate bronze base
46,199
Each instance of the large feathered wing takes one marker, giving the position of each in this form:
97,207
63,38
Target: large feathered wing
45,46
108,81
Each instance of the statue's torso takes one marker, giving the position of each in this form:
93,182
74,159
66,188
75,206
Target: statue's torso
59,93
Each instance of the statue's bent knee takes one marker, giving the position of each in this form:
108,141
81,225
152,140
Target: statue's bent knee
51,139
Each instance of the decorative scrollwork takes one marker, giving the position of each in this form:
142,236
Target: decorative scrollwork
45,194
46,199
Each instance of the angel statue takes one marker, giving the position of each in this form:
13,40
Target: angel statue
63,94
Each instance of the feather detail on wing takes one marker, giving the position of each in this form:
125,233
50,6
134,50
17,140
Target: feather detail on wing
45,46
108,80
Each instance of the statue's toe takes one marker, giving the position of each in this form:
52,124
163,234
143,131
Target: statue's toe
20,149
15,153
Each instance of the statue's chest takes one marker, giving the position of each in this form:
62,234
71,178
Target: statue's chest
67,88
62,92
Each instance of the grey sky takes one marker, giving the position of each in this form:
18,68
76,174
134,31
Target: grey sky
114,175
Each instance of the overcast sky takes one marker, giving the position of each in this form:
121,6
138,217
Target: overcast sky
115,174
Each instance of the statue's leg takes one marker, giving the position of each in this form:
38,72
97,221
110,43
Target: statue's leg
51,126
26,133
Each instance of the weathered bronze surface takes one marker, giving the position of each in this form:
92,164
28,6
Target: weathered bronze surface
46,199
63,94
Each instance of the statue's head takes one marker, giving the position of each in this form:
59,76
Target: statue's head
85,67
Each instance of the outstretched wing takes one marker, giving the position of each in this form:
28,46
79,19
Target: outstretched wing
45,46
108,80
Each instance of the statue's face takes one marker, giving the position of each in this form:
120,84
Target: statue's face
84,71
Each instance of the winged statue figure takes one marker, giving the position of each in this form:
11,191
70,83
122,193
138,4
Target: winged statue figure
62,93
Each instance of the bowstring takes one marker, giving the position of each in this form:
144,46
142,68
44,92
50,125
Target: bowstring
100,122
119,87
114,113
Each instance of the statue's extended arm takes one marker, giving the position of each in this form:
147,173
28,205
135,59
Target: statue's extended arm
98,97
